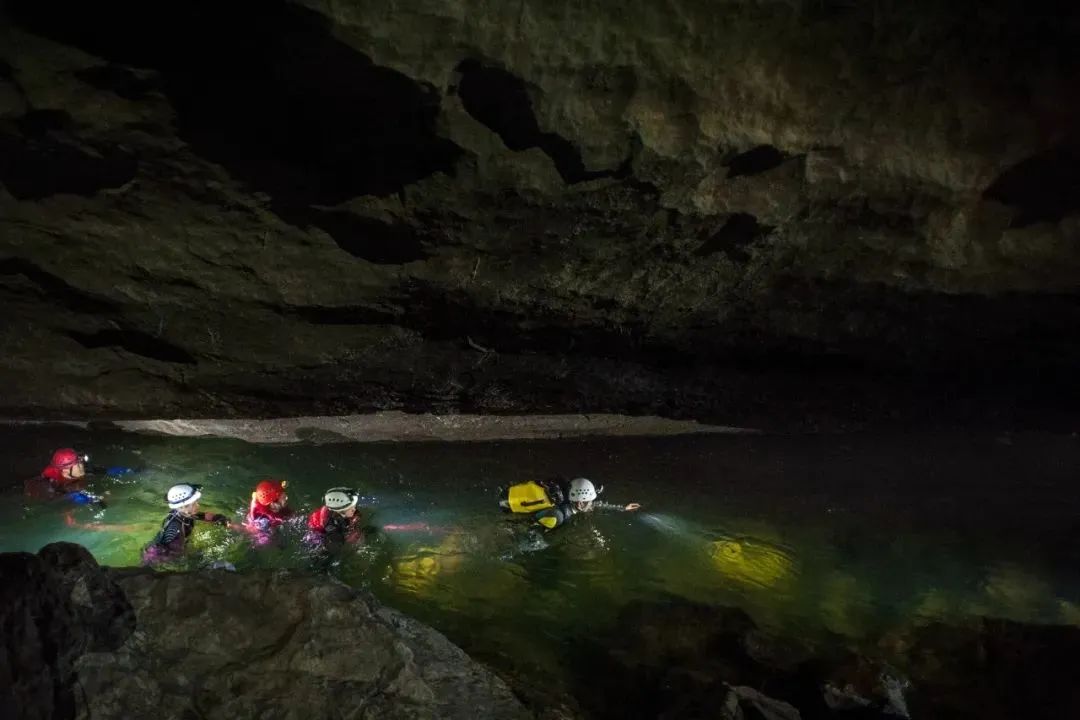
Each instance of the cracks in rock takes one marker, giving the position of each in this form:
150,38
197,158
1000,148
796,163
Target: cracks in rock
119,80
754,161
135,342
1042,188
363,237
477,346
36,124
59,290
41,161
734,237
500,101
342,315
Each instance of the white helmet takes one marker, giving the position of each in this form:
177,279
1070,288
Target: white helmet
582,490
340,499
182,494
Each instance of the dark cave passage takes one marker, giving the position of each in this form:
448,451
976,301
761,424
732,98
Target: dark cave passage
1042,188
263,88
500,100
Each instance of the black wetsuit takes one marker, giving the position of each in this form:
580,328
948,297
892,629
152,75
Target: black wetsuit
174,531
172,538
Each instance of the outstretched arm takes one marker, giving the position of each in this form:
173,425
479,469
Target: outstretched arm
214,518
629,507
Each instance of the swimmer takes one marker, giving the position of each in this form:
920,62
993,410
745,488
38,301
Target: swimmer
171,540
65,477
581,498
269,506
338,519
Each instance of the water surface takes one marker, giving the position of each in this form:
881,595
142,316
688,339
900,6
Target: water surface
824,538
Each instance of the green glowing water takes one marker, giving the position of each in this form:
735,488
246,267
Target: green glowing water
814,537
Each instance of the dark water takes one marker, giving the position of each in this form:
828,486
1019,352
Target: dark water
815,537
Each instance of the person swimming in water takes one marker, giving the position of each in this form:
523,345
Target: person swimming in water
268,509
269,506
66,477
171,540
338,519
580,497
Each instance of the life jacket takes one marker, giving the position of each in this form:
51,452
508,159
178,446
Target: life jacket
532,496
257,511
51,483
55,476
327,522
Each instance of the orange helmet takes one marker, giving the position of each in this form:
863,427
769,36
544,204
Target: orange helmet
269,491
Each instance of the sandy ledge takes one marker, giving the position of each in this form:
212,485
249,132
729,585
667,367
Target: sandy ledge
405,427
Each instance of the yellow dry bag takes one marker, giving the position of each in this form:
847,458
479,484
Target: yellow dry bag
528,497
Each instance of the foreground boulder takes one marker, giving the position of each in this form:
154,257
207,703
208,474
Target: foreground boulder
218,644
54,606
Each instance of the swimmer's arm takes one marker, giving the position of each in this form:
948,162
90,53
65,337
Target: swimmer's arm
81,497
262,524
629,507
212,517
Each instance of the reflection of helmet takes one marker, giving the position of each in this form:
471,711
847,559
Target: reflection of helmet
66,457
340,499
582,490
183,494
269,491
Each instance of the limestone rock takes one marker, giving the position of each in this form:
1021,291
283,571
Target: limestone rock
280,645
683,660
715,210
85,642
54,606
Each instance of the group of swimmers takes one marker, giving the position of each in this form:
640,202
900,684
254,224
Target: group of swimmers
549,503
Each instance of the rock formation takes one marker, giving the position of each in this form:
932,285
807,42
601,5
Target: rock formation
800,213
82,641
680,660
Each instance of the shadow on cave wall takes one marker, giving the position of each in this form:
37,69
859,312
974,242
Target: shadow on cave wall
500,101
1041,188
41,159
264,89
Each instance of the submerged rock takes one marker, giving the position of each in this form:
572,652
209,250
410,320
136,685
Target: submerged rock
680,661
992,669
216,644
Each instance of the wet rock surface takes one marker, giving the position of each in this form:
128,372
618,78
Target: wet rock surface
687,661
82,641
794,214
54,607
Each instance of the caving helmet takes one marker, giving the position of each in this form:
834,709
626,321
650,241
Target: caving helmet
182,495
340,499
66,457
582,490
269,491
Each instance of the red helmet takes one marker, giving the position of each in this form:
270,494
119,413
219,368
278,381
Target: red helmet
65,458
269,491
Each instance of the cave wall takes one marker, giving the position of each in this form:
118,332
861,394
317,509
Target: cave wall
779,214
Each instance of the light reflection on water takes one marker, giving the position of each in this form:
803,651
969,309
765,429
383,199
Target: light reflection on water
813,537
